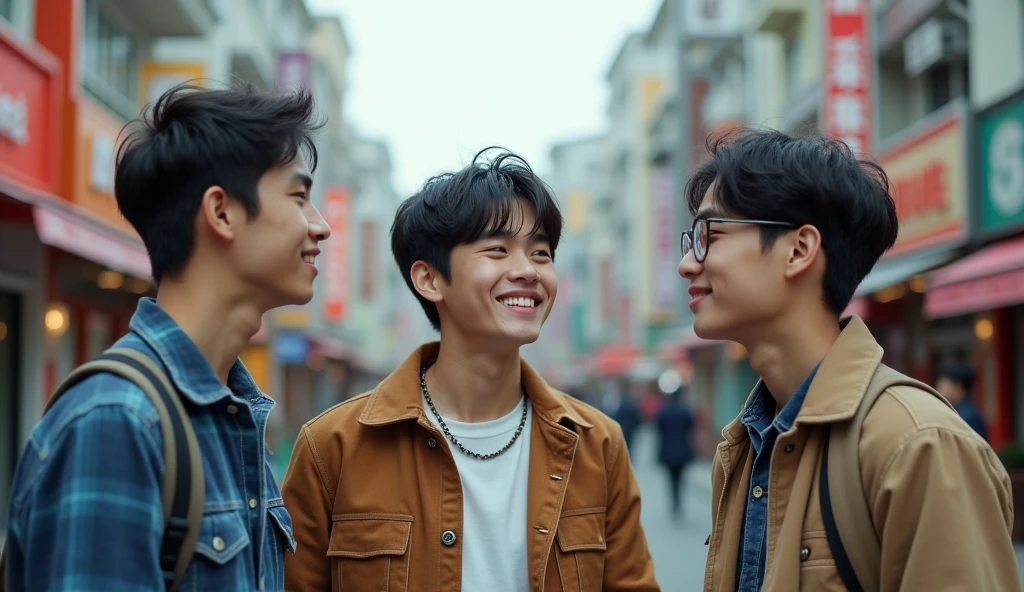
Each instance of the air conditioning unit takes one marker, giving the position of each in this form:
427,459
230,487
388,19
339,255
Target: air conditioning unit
935,41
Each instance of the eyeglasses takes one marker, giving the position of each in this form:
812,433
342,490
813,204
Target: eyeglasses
696,239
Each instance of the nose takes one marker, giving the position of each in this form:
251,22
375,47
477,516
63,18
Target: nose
689,268
523,270
318,228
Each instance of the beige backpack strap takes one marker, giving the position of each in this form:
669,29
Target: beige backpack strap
849,526
183,491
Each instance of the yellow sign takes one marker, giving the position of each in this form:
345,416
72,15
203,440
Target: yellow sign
160,77
292,316
576,210
927,172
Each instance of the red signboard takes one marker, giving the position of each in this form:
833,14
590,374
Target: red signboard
336,213
29,107
847,110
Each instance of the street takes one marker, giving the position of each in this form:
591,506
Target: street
678,547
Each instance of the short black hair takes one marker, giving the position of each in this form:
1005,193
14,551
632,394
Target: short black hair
959,373
456,208
195,138
815,180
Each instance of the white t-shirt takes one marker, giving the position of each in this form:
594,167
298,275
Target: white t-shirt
494,501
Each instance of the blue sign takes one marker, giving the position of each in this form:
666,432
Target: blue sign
291,348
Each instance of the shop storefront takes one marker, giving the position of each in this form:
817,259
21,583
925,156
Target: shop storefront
927,167
28,169
982,295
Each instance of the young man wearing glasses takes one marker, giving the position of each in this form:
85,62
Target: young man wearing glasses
785,229
463,470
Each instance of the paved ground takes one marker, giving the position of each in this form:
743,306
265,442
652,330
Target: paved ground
678,547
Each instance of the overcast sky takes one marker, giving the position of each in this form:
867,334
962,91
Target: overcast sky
440,79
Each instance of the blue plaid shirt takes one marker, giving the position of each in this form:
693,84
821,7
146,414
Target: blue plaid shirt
86,510
763,431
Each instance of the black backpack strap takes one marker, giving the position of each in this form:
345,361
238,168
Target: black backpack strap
183,490
835,542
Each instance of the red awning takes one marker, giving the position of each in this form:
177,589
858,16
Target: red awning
614,360
61,227
991,278
859,306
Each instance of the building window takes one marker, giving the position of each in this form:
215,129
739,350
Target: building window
7,10
793,51
110,62
939,86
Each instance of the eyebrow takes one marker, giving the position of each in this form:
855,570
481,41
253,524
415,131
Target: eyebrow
503,233
303,178
710,213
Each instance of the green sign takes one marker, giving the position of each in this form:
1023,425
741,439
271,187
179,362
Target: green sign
1001,169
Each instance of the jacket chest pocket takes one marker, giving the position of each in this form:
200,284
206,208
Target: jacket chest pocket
223,555
817,566
580,552
370,552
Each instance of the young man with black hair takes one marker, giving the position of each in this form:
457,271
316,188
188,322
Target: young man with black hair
463,470
956,382
785,229
216,183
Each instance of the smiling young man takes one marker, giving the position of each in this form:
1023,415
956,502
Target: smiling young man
463,470
785,229
216,184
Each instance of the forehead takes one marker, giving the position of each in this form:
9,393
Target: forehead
294,171
518,220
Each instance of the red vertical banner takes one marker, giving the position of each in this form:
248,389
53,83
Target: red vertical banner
847,112
336,212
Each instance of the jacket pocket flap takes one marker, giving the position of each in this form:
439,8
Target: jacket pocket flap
584,532
358,536
222,535
283,520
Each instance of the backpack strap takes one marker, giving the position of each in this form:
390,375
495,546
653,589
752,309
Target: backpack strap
850,531
183,489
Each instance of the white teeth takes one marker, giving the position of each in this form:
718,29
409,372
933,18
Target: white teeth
308,258
519,301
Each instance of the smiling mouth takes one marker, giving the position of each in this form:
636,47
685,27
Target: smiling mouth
518,302
309,259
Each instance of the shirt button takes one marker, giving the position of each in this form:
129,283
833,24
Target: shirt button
218,544
253,503
805,554
232,409
758,492
448,538
790,447
432,443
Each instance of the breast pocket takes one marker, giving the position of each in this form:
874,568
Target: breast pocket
223,555
370,552
817,566
581,547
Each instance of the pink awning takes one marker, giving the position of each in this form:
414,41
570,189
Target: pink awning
991,278
62,228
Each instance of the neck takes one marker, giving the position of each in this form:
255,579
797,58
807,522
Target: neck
785,354
470,384
217,322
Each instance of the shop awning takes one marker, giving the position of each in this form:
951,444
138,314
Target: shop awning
991,278
61,227
614,360
887,273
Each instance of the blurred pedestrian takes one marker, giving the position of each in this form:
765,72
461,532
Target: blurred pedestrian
675,449
956,383
628,414
217,185
784,231
460,470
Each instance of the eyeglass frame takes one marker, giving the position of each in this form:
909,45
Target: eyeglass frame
689,234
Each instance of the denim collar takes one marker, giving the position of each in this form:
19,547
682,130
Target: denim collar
186,366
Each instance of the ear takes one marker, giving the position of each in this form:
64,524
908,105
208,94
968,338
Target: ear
803,252
222,214
427,281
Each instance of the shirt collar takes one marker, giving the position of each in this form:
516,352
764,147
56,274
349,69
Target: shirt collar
186,366
758,414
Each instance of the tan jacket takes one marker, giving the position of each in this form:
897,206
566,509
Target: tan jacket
372,486
939,496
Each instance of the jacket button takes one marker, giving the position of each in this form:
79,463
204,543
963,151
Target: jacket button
758,492
218,544
790,447
805,554
448,538
232,409
432,442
